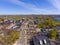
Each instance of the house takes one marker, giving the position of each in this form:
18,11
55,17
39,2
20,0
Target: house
6,22
22,20
36,21
11,21
1,33
5,19
17,21
38,30
40,40
58,27
10,26
31,25
58,35
1,27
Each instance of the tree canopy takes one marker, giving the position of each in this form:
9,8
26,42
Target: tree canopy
52,34
10,38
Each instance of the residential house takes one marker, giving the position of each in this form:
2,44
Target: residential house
1,33
10,26
40,40
38,30
11,21
1,27
18,23
58,35
31,25
36,21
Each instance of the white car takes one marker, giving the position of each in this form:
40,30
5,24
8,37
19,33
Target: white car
15,27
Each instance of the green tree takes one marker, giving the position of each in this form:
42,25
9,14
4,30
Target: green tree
40,25
12,36
52,34
49,22
17,18
1,40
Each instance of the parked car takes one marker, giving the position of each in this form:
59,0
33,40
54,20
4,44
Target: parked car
15,27
43,30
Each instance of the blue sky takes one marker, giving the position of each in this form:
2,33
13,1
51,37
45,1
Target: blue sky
29,6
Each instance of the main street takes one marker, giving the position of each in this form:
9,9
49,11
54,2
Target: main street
23,35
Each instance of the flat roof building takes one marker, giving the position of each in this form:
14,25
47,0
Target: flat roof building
41,40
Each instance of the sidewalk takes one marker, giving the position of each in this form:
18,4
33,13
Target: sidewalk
52,41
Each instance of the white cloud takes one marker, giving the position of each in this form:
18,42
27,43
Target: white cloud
35,8
30,6
55,3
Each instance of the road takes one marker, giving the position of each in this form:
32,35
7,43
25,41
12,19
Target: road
23,36
21,40
54,42
57,42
